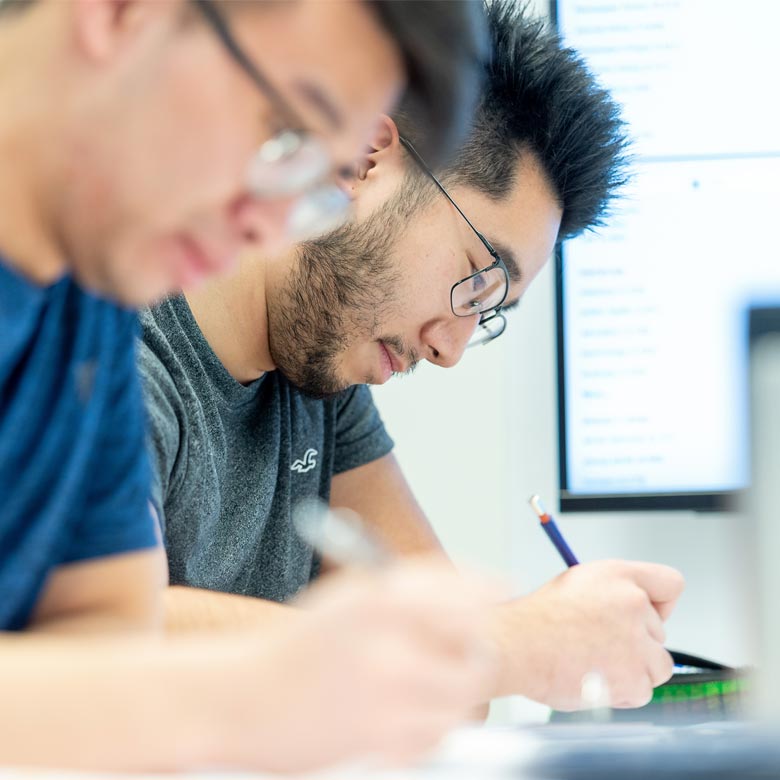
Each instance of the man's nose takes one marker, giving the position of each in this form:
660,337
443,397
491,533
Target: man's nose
263,222
446,340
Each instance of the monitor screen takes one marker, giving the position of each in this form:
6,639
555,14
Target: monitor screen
652,355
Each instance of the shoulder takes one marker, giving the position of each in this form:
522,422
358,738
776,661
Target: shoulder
154,353
159,365
158,328
175,387
164,343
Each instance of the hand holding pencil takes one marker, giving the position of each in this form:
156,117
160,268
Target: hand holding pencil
605,617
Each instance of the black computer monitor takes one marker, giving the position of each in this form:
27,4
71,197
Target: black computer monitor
651,350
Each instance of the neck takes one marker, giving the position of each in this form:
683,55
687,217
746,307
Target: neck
232,314
29,139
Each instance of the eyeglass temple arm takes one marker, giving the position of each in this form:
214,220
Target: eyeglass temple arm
218,23
419,160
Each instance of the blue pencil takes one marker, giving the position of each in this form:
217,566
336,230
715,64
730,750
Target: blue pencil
552,532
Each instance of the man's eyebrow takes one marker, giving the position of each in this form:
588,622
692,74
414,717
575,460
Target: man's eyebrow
508,256
320,102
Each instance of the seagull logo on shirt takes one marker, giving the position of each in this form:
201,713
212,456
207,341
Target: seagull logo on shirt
306,463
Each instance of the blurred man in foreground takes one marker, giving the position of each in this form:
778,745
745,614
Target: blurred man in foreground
143,145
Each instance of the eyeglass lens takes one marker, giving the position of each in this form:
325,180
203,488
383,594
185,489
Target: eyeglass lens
290,163
479,293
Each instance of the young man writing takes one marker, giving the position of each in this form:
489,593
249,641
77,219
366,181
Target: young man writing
256,384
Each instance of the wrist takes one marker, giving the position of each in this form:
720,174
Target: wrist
523,666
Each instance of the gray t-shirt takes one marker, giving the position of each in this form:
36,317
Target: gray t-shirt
232,460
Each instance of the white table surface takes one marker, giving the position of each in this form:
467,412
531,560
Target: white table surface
467,754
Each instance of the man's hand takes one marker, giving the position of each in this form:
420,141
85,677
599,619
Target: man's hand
383,664
605,617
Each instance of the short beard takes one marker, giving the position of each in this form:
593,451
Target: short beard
341,288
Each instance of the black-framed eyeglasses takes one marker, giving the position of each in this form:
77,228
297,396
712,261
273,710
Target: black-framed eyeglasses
482,292
293,162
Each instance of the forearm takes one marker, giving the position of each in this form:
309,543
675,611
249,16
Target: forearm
129,705
94,623
115,594
194,609
379,493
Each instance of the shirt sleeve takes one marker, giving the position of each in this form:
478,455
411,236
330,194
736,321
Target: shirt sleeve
115,516
360,433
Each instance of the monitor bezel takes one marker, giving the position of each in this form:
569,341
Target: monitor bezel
763,319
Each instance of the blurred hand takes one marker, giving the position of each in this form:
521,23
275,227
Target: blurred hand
382,665
605,617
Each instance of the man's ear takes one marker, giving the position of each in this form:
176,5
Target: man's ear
104,29
384,148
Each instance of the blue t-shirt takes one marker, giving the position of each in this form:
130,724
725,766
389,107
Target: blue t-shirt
74,476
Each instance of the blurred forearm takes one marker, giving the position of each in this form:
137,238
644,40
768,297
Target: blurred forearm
129,705
194,609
